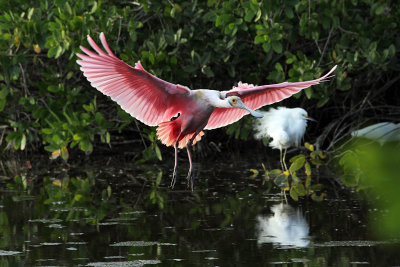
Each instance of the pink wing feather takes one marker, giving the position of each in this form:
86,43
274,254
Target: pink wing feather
255,97
141,94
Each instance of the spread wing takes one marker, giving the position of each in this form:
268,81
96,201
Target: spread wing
141,94
255,97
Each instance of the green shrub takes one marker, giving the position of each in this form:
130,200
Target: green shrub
45,100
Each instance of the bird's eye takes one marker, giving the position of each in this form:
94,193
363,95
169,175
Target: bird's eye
234,101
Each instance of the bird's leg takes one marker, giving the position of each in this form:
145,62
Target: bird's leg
175,166
190,173
284,156
284,195
190,176
280,158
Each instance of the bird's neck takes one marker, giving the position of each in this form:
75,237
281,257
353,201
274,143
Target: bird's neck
212,98
221,103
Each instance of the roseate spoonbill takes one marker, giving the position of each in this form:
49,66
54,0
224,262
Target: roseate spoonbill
181,114
286,126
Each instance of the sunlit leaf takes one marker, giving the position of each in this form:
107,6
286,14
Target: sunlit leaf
309,146
57,182
297,164
36,48
307,168
292,159
78,197
23,142
255,173
158,152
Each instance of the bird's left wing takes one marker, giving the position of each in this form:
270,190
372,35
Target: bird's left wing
255,97
141,94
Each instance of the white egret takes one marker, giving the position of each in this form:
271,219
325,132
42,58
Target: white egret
286,126
287,227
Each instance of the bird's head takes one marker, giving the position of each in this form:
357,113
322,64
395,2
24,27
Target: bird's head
303,114
236,102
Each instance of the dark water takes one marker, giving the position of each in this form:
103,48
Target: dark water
108,212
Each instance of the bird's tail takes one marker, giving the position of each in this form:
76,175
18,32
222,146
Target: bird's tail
168,133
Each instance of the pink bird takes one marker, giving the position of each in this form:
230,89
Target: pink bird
180,113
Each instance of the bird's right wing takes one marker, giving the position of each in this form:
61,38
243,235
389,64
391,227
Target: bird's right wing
141,94
255,97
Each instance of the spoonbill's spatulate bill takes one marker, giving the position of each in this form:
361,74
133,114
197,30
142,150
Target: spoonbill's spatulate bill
181,114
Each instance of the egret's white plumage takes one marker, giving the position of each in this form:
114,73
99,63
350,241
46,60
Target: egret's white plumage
286,127
287,227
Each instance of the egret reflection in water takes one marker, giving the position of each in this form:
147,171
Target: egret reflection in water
286,227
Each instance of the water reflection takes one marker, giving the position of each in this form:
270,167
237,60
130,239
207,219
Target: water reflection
129,217
285,227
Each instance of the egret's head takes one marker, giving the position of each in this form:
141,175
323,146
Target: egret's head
303,114
236,102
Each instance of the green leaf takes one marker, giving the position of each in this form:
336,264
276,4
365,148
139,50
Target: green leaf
294,158
289,12
308,183
277,46
158,152
266,46
159,177
255,173
58,52
309,92
380,9
94,7
108,137
23,142
300,190
30,13
293,194
307,168
78,197
2,104
259,39
275,172
317,162
317,198
297,165
281,181
309,146
349,180
109,191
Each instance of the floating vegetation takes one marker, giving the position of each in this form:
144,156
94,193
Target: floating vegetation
46,220
356,243
140,244
50,244
8,252
135,263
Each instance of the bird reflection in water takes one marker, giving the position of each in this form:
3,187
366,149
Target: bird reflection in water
286,227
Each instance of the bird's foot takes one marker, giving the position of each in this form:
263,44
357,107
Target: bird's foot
190,180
